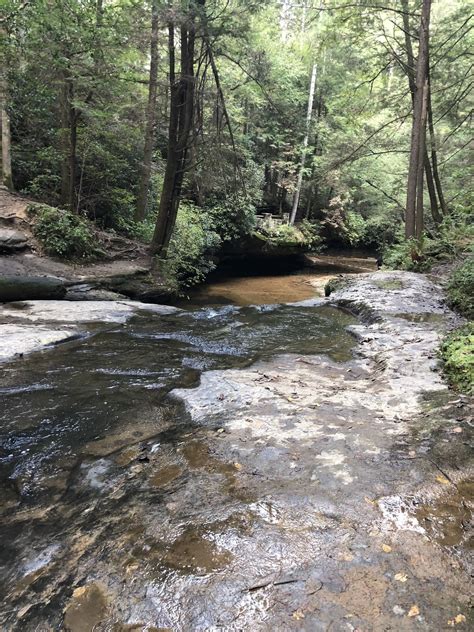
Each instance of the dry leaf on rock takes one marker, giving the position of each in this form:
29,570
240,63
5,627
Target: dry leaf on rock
400,577
298,614
459,618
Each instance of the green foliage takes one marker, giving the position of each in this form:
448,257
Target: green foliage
284,235
304,234
311,234
407,255
193,244
231,217
143,231
356,162
63,234
452,238
354,228
460,289
457,353
379,232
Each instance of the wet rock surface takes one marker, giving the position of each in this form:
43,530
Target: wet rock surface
299,478
27,326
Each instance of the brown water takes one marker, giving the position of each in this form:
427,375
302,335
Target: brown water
267,289
261,290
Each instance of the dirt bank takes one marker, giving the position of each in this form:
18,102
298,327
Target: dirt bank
126,268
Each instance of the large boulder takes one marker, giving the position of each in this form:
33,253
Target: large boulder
12,240
24,288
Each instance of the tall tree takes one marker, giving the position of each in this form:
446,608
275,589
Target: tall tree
410,69
414,205
69,117
309,112
145,171
182,88
7,179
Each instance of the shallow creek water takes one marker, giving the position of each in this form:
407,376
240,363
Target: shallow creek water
272,508
93,451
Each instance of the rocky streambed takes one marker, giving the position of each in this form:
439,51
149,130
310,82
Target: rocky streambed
278,467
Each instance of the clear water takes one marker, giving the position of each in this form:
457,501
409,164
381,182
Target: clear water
73,415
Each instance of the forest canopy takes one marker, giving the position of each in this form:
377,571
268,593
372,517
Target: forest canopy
334,116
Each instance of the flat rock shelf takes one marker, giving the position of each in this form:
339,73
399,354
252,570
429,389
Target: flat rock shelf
277,467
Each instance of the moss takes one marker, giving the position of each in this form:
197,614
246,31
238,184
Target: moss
334,284
460,289
457,352
391,284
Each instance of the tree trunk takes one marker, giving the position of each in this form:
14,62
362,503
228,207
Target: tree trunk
69,120
180,124
411,82
417,154
434,156
437,217
419,214
299,184
7,179
144,183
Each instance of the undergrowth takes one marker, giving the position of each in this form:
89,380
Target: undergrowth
457,352
452,239
63,234
460,289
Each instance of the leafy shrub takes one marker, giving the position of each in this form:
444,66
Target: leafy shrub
354,227
305,234
407,255
63,234
460,289
193,244
333,220
142,231
379,232
454,237
457,352
231,217
311,234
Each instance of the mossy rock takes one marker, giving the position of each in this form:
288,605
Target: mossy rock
391,284
460,289
457,352
24,288
333,285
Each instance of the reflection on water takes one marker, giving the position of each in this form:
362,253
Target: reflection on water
92,447
271,286
79,393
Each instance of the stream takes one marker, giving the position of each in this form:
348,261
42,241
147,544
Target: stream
93,416
129,505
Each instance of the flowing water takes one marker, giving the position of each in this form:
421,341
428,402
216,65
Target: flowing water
119,512
94,451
